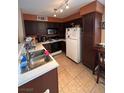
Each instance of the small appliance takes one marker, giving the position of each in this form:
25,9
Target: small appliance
51,31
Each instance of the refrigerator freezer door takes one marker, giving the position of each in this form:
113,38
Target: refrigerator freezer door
71,49
71,34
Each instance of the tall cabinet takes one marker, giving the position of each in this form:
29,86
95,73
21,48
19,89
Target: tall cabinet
91,36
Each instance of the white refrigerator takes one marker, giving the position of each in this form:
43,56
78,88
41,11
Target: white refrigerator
73,43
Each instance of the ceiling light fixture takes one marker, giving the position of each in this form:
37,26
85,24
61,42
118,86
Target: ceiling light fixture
60,8
54,15
67,7
55,11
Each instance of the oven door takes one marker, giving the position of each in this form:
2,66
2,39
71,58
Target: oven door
55,46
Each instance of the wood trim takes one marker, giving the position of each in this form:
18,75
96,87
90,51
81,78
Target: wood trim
95,6
100,8
29,17
72,17
53,19
88,8
34,18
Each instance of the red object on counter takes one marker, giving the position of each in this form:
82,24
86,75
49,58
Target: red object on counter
46,52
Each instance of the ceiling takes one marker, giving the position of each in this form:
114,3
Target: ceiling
46,7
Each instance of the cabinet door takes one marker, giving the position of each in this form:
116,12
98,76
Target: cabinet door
30,27
88,28
42,28
50,25
34,27
42,83
91,36
63,46
55,46
61,30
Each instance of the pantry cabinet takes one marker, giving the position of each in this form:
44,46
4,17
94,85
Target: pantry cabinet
90,37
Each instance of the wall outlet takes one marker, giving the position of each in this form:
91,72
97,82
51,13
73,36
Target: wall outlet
47,91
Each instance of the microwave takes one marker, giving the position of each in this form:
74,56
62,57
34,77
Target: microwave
51,31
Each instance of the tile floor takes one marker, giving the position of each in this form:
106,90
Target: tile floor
76,78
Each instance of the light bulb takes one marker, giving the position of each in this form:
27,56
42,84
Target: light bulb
66,6
61,10
54,15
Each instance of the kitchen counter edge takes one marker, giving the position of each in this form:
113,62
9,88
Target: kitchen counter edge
39,71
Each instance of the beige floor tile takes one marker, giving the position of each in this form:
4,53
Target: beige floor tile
63,60
60,90
98,89
60,69
82,78
64,78
89,86
73,87
73,68
76,78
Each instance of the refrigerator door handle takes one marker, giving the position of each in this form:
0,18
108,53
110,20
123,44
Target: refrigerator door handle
68,36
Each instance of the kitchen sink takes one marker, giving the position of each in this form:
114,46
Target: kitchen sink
35,59
37,53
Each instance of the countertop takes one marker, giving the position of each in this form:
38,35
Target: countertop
53,40
39,71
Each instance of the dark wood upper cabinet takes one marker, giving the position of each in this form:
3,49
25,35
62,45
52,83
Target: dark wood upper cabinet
75,22
39,28
90,37
30,28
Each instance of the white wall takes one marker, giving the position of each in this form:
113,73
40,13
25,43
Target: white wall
103,31
21,34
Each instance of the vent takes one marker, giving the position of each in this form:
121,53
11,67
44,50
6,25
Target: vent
41,18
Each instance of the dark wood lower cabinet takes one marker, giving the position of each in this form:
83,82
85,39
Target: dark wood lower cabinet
56,46
41,84
48,47
63,46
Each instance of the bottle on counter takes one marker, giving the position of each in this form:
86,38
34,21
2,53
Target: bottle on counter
24,63
47,57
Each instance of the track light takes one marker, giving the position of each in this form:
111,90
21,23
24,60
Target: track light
55,11
61,10
54,15
66,6
61,7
